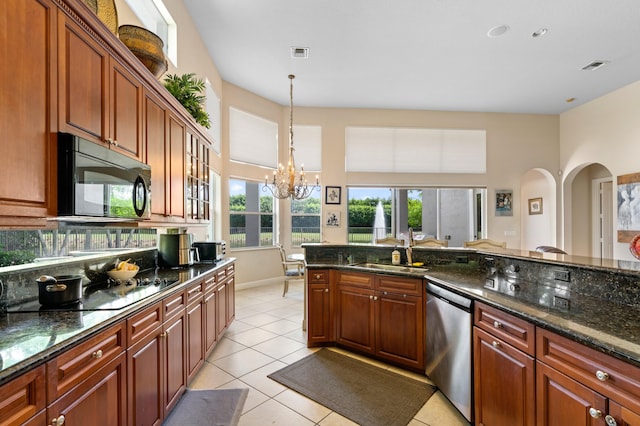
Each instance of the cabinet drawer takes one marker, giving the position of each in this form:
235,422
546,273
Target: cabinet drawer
515,331
210,282
174,304
195,292
76,365
605,374
398,285
355,279
143,323
23,397
318,276
230,270
222,274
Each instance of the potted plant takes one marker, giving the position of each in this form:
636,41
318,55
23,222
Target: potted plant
188,90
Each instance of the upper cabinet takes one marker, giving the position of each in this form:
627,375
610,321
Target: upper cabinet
100,99
27,84
198,185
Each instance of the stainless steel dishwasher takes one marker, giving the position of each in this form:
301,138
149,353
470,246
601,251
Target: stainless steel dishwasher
449,360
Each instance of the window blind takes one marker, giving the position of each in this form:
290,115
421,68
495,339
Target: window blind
252,139
414,150
307,144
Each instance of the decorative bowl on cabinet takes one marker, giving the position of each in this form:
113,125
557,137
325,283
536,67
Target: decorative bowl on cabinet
146,46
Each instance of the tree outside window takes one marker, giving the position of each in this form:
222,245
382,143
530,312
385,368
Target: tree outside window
251,215
305,219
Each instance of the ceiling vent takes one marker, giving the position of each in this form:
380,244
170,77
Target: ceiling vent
300,52
594,65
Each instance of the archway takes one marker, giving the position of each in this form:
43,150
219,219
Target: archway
539,224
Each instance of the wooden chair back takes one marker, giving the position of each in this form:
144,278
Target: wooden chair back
431,242
485,243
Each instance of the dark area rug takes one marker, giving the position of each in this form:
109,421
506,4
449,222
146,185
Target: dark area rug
217,407
362,392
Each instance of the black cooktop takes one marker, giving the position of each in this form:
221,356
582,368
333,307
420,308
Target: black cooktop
109,295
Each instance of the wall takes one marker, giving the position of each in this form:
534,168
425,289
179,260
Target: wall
605,131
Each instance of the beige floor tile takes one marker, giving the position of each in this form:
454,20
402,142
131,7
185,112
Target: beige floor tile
303,405
335,419
298,334
260,319
252,336
274,413
439,411
258,379
282,326
298,355
278,347
210,377
225,347
238,326
254,398
243,362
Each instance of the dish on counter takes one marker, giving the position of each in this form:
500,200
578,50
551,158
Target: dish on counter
634,246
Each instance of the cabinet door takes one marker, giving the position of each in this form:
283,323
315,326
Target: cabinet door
175,341
156,152
621,415
355,325
319,323
27,42
504,383
145,376
562,401
23,398
195,344
210,330
231,299
400,329
176,167
83,85
221,309
101,399
125,112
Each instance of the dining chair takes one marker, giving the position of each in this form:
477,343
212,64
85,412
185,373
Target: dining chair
485,243
430,242
293,269
389,240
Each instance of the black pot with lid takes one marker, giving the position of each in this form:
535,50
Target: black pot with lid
60,290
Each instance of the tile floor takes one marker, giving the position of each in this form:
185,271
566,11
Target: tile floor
266,336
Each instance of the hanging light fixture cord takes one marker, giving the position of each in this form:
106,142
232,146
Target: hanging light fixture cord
288,183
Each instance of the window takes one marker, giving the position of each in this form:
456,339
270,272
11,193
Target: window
305,219
251,215
406,150
156,18
252,139
453,214
213,108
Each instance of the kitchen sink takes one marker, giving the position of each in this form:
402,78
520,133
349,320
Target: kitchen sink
393,268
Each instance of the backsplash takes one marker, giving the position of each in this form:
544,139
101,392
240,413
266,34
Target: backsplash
19,284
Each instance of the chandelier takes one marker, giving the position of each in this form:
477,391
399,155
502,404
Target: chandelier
287,182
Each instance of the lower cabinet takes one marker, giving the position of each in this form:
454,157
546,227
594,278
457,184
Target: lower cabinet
504,369
381,315
195,317
23,399
320,311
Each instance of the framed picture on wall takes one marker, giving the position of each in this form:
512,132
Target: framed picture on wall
628,207
332,219
535,205
332,194
504,202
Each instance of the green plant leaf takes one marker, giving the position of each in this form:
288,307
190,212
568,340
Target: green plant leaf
189,91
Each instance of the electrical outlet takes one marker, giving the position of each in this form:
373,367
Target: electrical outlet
561,275
560,302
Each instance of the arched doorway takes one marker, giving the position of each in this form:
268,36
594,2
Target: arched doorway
538,225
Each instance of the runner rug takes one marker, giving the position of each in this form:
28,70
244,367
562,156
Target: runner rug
362,392
217,407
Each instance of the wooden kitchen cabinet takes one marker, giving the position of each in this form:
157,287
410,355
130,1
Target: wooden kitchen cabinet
195,316
319,307
175,196
23,399
578,381
198,186
209,307
504,368
29,90
355,311
100,99
155,122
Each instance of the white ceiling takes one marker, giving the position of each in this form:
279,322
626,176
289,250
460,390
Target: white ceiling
424,54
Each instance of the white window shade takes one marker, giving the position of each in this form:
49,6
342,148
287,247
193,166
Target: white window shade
213,108
307,144
252,139
408,150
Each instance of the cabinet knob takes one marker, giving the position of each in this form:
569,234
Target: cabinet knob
497,324
595,413
610,420
602,376
114,143
165,334
57,421
495,344
97,354
375,297
326,290
317,276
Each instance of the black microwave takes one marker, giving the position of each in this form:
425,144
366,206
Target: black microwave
97,182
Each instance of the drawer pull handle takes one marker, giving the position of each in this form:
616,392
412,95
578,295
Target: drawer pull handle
610,420
595,413
497,324
97,354
496,344
57,421
602,376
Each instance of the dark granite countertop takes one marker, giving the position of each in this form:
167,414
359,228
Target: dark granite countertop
603,325
31,338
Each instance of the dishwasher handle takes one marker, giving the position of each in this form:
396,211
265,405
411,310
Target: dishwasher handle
449,297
